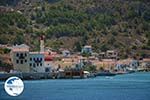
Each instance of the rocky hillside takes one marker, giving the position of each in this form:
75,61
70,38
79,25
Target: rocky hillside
105,24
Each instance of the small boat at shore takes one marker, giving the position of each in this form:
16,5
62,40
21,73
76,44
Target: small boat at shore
105,73
109,77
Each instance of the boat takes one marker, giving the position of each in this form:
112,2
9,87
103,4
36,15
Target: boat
108,77
105,73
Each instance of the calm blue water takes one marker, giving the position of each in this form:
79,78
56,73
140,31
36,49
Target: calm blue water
134,86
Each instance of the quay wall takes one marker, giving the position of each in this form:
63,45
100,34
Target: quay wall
26,76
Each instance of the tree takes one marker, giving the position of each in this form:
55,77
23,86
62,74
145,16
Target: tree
86,54
6,50
90,68
104,48
78,46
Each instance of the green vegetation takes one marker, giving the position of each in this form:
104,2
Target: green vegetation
114,24
90,68
4,51
3,58
86,54
2,64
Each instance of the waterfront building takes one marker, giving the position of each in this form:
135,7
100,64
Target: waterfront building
134,64
25,61
48,58
19,57
121,67
36,62
146,63
73,72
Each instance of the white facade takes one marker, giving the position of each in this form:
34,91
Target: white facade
36,62
48,66
112,54
87,49
134,64
25,61
66,53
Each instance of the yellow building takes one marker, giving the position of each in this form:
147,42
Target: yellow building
20,57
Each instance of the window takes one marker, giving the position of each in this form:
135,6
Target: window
40,64
37,64
25,60
47,70
132,64
40,59
34,65
25,54
30,59
37,59
30,64
21,54
21,61
17,61
68,73
17,54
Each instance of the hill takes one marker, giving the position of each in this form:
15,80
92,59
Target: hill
104,24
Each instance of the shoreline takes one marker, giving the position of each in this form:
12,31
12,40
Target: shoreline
46,76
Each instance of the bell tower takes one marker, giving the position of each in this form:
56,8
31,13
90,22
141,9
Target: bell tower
42,43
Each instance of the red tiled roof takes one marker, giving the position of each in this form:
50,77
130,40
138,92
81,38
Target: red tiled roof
48,58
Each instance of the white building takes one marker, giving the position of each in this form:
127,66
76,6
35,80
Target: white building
25,61
40,62
134,64
36,62
48,66
66,53
48,62
112,54
87,49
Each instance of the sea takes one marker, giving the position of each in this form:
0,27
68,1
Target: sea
135,86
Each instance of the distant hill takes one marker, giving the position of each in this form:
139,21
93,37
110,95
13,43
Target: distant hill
105,24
